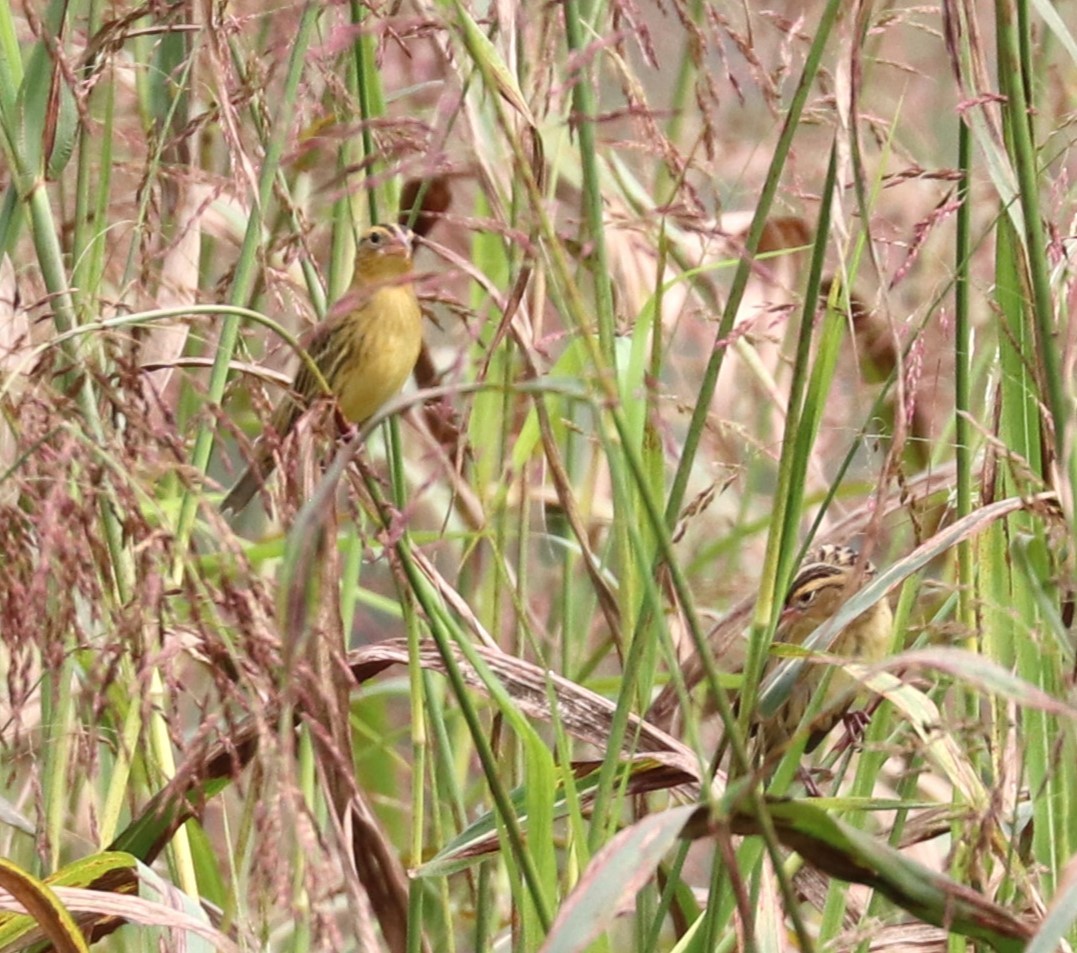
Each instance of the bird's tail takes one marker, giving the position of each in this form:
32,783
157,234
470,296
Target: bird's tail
250,482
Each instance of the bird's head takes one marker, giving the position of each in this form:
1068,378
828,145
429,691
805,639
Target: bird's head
384,253
825,580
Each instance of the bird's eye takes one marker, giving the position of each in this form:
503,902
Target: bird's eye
375,238
804,599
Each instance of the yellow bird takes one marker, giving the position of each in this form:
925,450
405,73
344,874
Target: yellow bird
365,348
826,579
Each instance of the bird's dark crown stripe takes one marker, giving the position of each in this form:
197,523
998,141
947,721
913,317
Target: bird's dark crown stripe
818,571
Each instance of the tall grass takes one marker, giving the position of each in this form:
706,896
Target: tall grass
715,284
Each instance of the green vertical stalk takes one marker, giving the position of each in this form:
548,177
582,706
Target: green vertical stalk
369,89
966,576
1015,77
11,71
963,455
91,186
585,106
1030,376
1019,423
962,373
58,714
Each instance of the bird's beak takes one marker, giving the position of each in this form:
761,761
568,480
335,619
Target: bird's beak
403,240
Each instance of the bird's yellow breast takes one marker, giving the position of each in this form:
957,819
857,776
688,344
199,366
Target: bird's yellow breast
388,337
866,639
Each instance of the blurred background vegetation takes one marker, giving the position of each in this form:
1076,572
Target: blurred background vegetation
706,283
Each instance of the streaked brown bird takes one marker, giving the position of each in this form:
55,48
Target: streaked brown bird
827,578
364,349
